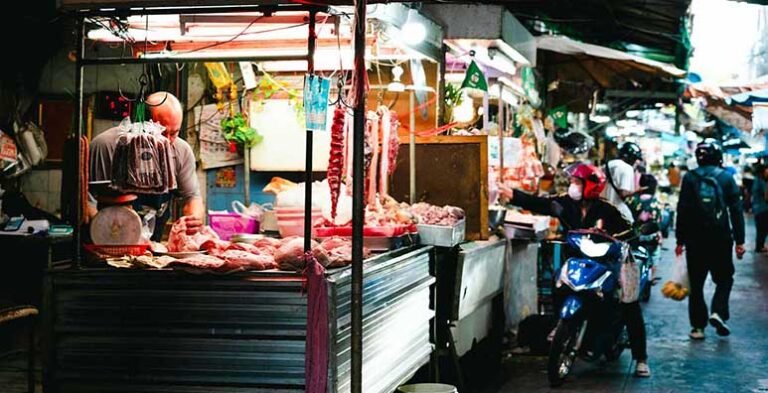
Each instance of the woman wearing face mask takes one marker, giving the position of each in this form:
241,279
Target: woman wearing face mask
582,208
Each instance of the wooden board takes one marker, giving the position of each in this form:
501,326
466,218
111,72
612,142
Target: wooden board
450,170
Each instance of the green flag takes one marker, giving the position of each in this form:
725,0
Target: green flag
559,116
474,78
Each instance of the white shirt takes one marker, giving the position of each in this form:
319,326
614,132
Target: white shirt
623,176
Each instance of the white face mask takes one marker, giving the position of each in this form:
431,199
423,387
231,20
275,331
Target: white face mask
574,191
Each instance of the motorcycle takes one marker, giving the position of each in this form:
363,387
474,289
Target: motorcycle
589,322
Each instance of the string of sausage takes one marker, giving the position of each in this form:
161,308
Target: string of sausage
336,159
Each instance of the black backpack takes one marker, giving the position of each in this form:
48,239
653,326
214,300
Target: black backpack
710,201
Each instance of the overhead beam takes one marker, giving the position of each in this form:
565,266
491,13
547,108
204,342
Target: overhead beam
663,95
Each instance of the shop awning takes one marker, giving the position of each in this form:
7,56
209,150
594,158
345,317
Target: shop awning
614,60
749,98
732,104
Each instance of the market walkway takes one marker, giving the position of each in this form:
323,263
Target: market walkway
735,364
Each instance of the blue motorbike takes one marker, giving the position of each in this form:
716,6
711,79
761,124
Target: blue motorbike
589,323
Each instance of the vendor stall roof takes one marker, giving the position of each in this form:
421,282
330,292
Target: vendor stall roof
654,29
568,46
263,34
499,31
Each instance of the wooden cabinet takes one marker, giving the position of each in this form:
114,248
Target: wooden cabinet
450,170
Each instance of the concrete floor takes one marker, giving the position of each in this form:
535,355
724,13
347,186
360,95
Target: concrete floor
738,363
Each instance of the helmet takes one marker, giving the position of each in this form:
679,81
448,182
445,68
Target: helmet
592,177
709,152
630,152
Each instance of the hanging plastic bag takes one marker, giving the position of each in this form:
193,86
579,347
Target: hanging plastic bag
254,210
630,281
678,287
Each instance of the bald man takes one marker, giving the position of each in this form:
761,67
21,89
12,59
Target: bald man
165,109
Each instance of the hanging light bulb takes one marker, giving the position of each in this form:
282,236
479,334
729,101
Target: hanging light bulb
413,31
396,85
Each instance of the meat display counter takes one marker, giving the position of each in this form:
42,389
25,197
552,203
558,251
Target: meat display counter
168,331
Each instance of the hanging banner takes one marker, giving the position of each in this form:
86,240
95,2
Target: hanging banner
316,92
475,78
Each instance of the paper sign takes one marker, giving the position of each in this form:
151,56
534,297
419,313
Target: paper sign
249,77
316,92
214,149
7,148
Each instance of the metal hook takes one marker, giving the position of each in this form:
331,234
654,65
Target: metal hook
340,97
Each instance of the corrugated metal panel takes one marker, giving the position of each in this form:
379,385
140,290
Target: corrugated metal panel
396,318
165,331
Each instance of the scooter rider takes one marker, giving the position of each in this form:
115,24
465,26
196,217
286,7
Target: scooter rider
582,208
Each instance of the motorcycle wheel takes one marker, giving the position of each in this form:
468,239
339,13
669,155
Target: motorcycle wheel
562,354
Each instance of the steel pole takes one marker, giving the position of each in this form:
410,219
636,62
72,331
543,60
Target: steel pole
357,199
308,162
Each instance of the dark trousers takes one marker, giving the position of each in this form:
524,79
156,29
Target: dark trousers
761,227
632,315
705,257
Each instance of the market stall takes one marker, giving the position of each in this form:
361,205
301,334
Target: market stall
136,330
216,308
478,273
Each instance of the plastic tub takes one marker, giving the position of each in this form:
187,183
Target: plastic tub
428,388
227,224
293,224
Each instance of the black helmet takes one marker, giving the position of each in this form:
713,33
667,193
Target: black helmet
709,152
630,152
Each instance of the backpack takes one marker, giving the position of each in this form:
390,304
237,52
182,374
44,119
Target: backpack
710,201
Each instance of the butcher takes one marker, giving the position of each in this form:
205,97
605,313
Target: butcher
165,109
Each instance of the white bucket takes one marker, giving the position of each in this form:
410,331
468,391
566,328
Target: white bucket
428,388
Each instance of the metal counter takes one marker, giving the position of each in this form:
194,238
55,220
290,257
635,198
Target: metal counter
168,331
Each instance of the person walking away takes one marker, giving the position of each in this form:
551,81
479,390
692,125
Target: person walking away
582,208
747,182
620,173
760,207
710,219
647,210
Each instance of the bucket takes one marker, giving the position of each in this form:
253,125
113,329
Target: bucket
428,388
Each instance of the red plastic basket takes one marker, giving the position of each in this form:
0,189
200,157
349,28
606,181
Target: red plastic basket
117,250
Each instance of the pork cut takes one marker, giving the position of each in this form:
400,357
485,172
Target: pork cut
179,240
239,258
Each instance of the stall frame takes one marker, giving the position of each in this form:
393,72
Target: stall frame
87,10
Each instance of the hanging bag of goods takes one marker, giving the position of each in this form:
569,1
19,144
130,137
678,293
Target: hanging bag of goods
142,161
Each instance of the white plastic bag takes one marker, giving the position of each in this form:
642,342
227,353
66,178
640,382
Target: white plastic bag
678,287
254,210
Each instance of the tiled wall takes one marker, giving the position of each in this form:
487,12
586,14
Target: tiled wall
43,189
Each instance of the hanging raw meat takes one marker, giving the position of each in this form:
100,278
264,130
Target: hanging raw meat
336,160
371,170
393,144
367,155
386,129
348,147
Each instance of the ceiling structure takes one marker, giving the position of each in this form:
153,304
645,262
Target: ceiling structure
654,29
